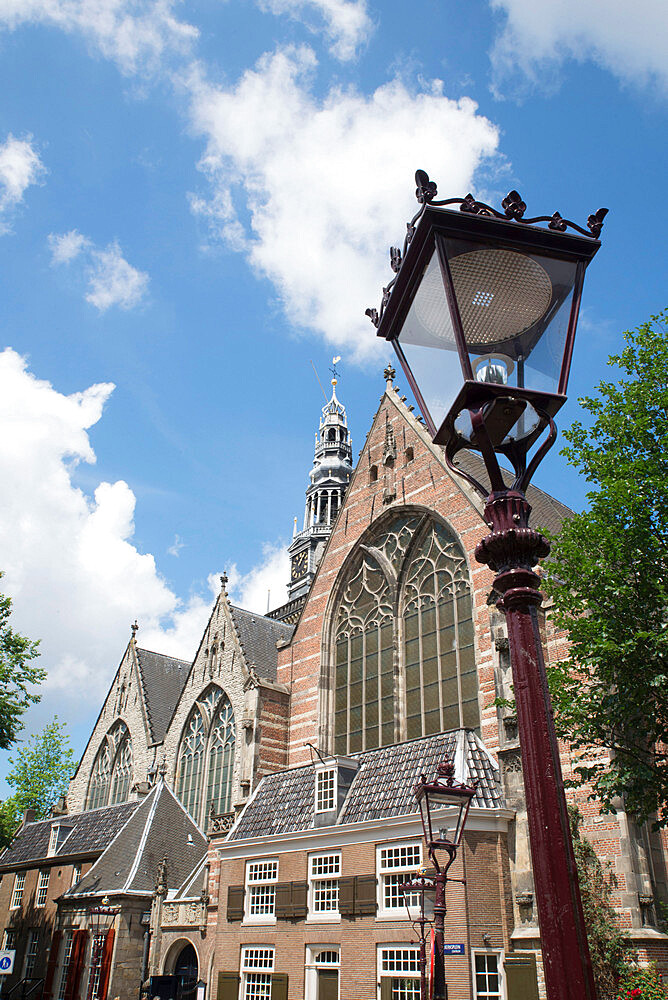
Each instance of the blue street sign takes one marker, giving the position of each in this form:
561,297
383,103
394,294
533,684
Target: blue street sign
454,949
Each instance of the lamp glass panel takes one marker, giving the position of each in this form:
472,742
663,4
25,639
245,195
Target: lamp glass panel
428,342
414,904
515,307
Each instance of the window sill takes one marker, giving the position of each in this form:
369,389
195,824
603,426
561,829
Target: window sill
323,918
397,917
258,921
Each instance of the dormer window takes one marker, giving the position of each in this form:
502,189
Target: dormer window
325,790
59,834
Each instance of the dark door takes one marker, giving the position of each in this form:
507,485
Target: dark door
185,970
328,984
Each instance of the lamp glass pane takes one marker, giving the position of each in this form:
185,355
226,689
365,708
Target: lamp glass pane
428,342
515,308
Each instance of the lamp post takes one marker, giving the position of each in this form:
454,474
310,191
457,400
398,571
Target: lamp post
419,893
500,295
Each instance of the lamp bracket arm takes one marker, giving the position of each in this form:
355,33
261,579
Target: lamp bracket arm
487,450
523,481
450,451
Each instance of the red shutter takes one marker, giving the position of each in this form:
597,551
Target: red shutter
77,960
51,965
105,966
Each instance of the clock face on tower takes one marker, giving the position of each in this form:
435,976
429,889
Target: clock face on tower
299,565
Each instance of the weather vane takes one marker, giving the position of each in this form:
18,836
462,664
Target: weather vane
333,369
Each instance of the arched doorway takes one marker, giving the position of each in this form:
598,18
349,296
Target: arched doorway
186,963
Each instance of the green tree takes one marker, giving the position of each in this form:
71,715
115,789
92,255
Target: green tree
608,577
40,774
17,676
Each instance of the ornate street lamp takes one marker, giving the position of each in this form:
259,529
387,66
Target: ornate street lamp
482,314
419,895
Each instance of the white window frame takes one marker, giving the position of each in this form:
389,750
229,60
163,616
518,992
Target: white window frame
385,870
265,956
410,971
53,840
325,789
76,874
312,965
18,891
42,887
95,968
32,948
9,939
501,995
65,962
317,882
256,886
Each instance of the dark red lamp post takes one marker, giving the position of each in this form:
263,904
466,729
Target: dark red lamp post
482,313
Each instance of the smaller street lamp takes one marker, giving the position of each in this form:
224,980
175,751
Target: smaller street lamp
444,792
419,893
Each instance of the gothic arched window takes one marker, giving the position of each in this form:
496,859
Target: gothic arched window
111,777
404,663
206,756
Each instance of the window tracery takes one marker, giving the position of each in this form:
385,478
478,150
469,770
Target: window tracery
404,663
111,775
206,756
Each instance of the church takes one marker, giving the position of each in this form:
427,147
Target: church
240,824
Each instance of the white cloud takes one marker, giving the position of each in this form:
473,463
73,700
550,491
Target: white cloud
266,582
66,247
136,34
327,182
20,166
112,281
347,23
176,546
628,39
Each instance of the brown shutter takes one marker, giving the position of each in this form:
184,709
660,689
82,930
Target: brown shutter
51,965
386,988
283,907
347,896
105,964
235,902
299,900
228,986
365,895
77,960
279,986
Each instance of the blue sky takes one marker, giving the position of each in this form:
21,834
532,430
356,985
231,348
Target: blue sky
196,201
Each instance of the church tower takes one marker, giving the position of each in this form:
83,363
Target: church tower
330,475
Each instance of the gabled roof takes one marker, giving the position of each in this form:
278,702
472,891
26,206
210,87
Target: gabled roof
91,832
258,636
163,679
160,830
381,788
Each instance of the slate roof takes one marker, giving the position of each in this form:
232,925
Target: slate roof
92,832
258,636
163,678
160,829
381,788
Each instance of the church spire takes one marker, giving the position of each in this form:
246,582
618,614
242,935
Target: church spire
330,475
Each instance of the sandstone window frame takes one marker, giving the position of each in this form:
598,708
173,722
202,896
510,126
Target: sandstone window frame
408,571
206,756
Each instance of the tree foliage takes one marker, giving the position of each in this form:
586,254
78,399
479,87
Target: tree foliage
608,577
40,774
17,676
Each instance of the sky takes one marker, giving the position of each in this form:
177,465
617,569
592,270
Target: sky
196,205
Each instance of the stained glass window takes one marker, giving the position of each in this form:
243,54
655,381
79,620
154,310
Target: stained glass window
121,778
111,777
404,662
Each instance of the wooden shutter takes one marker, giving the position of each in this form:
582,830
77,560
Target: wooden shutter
386,988
279,986
235,902
299,900
105,964
365,895
283,908
51,965
521,977
228,985
347,897
77,960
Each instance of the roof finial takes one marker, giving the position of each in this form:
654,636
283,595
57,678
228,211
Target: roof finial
223,582
389,374
134,629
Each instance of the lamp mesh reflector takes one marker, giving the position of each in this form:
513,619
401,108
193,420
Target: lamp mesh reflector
500,294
